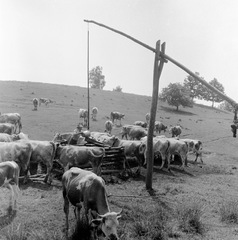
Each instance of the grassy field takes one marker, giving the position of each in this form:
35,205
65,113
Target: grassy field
198,203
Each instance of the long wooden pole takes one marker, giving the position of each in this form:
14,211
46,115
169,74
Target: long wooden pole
202,81
88,82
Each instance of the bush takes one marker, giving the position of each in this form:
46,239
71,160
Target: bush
229,212
189,217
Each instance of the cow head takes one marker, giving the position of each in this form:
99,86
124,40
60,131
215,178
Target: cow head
234,130
108,223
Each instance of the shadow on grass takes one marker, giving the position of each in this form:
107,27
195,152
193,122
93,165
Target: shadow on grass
172,110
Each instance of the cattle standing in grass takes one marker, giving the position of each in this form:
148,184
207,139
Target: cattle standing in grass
137,133
126,129
7,128
194,146
85,189
140,123
94,113
74,156
147,118
13,118
83,113
9,178
19,151
46,101
35,103
117,116
159,126
175,131
108,126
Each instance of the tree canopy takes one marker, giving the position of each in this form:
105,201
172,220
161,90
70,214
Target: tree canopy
96,78
118,89
176,95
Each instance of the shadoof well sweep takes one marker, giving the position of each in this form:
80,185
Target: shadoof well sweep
159,60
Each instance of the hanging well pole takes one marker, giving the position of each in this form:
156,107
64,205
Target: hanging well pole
88,77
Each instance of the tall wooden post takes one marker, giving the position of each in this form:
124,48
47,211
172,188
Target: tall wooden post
156,77
88,82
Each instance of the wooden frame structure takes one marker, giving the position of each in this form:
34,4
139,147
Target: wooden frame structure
160,59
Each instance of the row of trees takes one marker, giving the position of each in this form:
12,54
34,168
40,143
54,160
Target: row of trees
177,94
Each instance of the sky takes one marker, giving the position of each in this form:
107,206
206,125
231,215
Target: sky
46,41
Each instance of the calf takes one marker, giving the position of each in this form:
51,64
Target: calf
9,178
108,126
85,189
117,116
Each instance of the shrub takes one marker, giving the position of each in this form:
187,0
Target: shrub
229,212
189,217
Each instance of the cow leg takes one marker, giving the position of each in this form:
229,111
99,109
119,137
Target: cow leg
66,211
48,174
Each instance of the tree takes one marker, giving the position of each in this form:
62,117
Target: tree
176,94
96,79
195,87
117,89
226,106
209,95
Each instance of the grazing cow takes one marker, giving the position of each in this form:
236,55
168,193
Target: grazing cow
94,113
44,152
147,118
83,113
194,146
137,133
126,129
13,118
9,178
85,189
7,128
46,101
234,129
108,126
175,131
35,103
19,151
159,126
74,156
140,123
117,116
4,137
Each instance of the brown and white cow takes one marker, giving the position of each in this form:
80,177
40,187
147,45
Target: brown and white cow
175,131
9,178
85,189
35,102
117,116
140,123
137,133
19,151
8,128
13,118
159,126
83,113
80,156
4,137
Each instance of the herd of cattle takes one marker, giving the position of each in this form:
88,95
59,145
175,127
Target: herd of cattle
83,187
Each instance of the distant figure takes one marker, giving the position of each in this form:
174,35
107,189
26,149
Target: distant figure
35,103
147,118
94,113
46,101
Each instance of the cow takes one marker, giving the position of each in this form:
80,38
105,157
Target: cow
147,118
126,129
80,156
9,178
105,138
7,128
140,123
83,113
13,118
137,133
117,116
194,146
18,151
43,152
175,131
108,126
94,113
234,129
159,126
4,137
46,101
85,189
35,102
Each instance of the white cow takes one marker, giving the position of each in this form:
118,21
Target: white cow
83,113
13,118
94,113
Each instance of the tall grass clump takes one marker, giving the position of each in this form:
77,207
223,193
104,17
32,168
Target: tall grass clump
229,212
189,214
16,233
